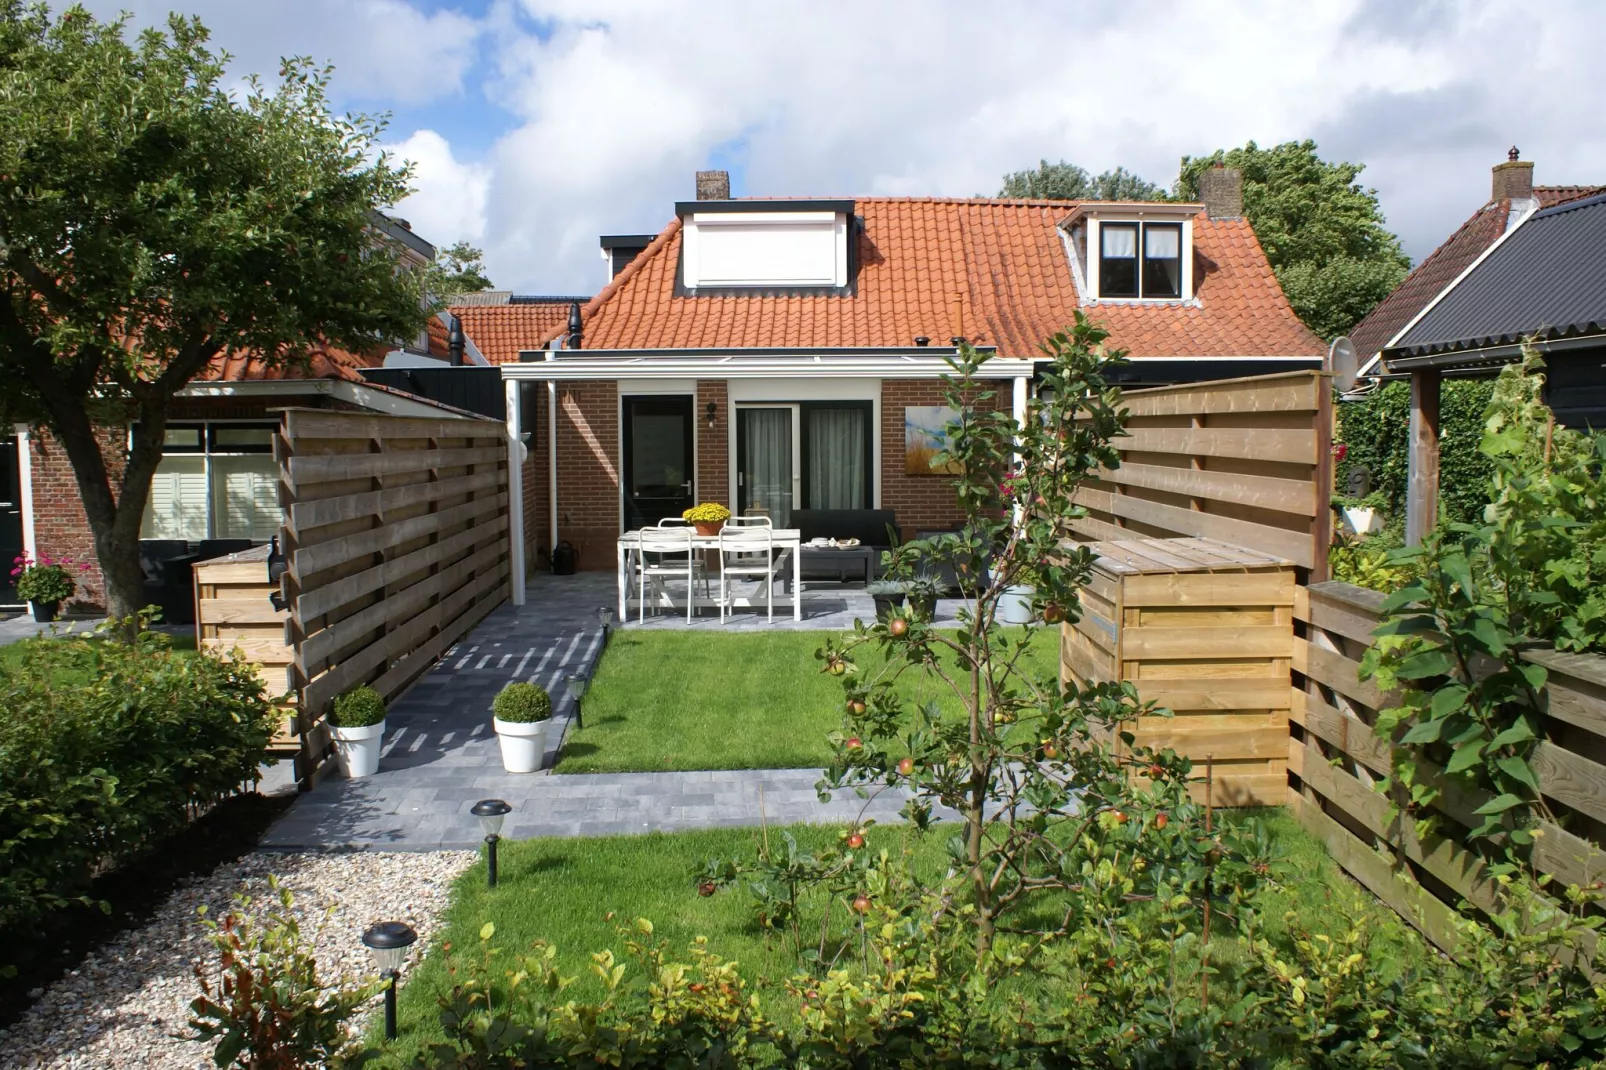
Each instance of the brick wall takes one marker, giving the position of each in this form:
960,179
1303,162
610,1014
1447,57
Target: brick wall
60,527
713,444
588,471
922,502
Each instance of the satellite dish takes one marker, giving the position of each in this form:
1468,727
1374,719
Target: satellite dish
1342,362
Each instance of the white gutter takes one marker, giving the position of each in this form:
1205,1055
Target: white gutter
581,369
368,397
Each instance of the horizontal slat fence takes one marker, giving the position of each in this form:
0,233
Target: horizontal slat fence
395,538
1241,461
1335,758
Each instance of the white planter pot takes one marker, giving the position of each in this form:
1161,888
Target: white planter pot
357,749
523,744
1362,521
1015,604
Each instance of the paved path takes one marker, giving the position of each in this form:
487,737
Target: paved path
441,754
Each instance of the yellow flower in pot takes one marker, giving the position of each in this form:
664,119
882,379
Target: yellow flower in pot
708,517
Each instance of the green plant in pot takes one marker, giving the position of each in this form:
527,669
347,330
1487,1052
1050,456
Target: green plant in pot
923,592
44,583
520,713
357,725
707,518
888,595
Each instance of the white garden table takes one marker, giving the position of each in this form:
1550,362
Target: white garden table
787,541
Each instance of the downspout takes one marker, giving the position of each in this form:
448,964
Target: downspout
516,453
30,546
552,455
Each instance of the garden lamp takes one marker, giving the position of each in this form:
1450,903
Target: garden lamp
491,813
605,617
389,941
575,683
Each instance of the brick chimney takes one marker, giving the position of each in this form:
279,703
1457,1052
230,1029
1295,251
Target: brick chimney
1514,179
1221,191
713,185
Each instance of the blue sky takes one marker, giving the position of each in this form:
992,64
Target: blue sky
536,125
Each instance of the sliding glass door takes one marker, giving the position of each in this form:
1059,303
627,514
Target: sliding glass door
809,455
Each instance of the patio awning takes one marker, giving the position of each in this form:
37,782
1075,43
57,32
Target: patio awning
923,362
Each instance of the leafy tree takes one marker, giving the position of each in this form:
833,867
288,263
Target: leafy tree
151,221
459,269
1322,231
1067,182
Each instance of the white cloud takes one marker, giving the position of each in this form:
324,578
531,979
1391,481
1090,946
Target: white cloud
448,202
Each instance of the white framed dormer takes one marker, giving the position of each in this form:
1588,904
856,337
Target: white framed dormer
750,245
1133,253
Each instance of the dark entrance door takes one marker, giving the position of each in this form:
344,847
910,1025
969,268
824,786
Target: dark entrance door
10,517
658,458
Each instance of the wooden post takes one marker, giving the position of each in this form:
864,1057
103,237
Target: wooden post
1322,528
1422,494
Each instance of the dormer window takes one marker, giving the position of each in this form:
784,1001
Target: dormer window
1157,273
765,245
1131,252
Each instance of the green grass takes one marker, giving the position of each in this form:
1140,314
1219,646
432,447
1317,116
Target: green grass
575,893
13,655
683,701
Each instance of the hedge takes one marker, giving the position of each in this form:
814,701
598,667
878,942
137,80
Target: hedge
105,747
1376,433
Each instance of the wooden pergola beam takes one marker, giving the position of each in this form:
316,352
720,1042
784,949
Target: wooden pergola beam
1422,490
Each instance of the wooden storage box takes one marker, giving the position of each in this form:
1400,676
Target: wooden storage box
1206,630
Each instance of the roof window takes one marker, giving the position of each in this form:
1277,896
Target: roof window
1132,252
765,245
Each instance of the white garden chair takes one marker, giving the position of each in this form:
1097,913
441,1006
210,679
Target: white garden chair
747,550
666,552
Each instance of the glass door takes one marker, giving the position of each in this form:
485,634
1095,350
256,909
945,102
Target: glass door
767,474
10,516
657,458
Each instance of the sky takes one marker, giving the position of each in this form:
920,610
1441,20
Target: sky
534,126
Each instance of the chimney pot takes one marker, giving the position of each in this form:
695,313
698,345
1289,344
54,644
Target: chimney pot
575,337
713,185
1514,179
455,343
1221,191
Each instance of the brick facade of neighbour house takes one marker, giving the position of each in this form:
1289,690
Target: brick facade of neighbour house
713,451
61,528
588,470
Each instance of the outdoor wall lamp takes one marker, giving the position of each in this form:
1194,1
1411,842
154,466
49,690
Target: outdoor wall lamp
491,813
712,411
389,941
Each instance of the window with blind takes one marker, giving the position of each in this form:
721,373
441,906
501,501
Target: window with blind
215,481
177,507
245,497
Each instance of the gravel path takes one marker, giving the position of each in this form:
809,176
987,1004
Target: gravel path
120,1007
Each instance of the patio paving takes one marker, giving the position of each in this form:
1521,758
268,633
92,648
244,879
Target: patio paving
441,754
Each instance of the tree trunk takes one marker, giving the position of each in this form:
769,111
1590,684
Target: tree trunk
975,813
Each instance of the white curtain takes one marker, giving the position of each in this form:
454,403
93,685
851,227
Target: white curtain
1162,243
1120,243
837,464
767,463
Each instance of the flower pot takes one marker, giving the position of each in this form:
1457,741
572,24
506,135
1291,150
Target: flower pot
886,604
523,744
44,612
923,606
357,749
1015,604
708,527
1362,520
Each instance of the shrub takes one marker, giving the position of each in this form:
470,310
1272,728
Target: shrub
1376,433
522,703
106,747
358,708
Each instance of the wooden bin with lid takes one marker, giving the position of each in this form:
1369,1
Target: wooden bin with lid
1205,629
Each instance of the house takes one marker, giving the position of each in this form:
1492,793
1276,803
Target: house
1525,266
777,354
217,484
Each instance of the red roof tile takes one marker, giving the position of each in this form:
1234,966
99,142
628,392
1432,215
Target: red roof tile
326,362
1443,266
995,271
501,331
439,338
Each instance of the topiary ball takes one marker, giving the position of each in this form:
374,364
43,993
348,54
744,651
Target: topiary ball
358,708
522,703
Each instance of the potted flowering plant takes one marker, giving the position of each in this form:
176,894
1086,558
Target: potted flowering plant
357,725
708,517
45,583
520,713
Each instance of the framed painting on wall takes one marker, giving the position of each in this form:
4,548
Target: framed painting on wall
925,434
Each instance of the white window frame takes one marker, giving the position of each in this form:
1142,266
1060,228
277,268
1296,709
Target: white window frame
695,224
206,453
1095,246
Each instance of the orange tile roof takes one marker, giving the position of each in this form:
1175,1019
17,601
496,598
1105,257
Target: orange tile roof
326,362
995,271
501,331
440,342
1444,265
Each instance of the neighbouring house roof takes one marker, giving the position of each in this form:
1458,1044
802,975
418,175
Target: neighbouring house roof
996,272
1444,265
501,330
326,362
1545,279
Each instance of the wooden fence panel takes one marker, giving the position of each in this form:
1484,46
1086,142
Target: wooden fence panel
395,541
1335,758
1241,461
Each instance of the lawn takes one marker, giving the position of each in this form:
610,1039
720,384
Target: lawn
575,893
683,700
12,654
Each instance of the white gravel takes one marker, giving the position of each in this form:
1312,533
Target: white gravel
121,1006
